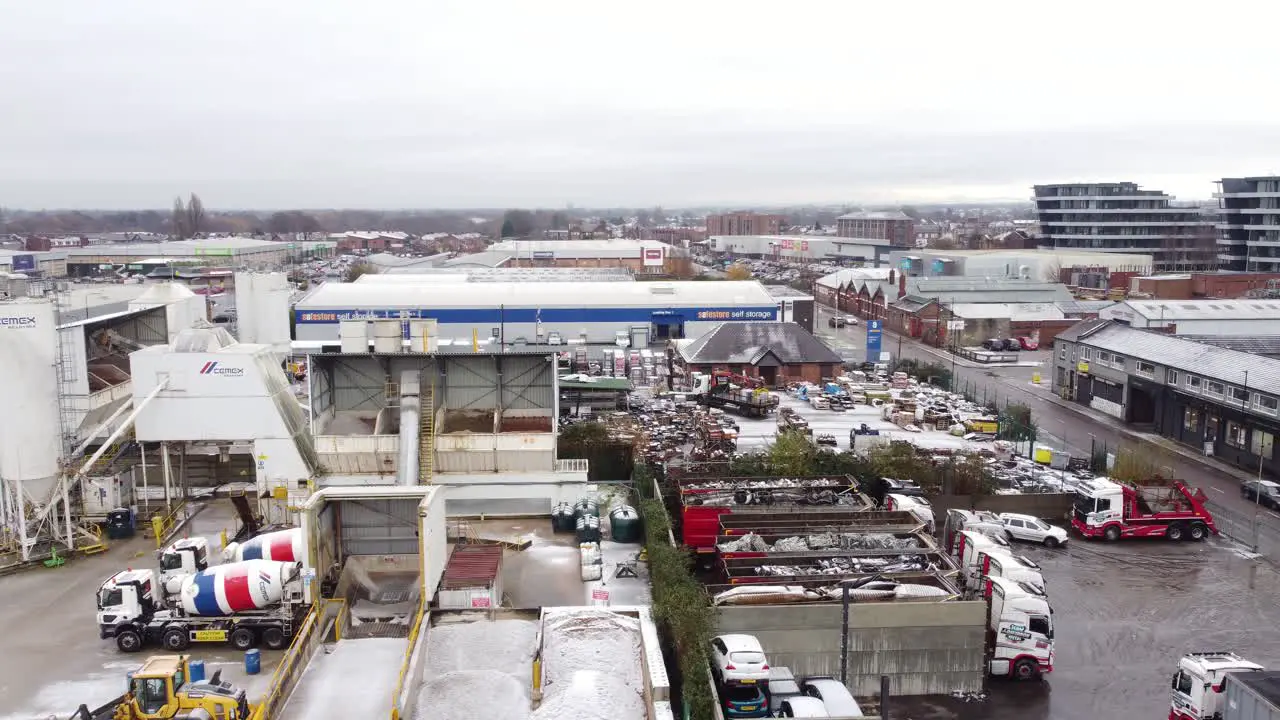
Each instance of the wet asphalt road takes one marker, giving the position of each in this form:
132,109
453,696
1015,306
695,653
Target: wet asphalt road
1123,615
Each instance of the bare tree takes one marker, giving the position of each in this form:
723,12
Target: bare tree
179,219
195,215
1052,272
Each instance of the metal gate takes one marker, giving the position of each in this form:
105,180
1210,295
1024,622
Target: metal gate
378,527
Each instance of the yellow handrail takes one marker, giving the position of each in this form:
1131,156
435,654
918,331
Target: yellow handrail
408,654
161,525
286,666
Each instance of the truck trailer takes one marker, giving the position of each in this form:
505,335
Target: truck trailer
1156,507
726,392
246,604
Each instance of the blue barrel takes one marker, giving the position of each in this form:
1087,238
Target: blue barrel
196,668
253,661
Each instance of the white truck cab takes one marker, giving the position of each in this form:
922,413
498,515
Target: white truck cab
187,556
969,546
1198,683
126,596
917,506
1019,631
1001,562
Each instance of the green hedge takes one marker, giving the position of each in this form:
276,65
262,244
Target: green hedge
680,604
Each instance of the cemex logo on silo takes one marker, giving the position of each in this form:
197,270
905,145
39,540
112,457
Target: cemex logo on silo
17,322
213,368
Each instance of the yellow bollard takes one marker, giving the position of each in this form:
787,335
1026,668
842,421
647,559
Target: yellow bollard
1035,378
157,526
224,539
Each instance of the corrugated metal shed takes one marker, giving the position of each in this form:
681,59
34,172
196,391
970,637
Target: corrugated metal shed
358,296
1208,361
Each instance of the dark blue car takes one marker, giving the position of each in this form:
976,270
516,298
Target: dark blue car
745,701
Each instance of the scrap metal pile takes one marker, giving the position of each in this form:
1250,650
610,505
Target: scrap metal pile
663,429
849,566
770,491
752,542
875,590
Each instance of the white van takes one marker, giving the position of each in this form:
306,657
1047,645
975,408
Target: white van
835,697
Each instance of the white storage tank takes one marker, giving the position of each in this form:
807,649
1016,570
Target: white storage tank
30,434
387,336
237,587
354,336
423,336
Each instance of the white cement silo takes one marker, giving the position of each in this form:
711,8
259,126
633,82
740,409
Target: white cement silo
30,432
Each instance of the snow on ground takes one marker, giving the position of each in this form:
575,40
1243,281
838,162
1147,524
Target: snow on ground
478,670
591,667
349,679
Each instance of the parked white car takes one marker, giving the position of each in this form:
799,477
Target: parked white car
739,659
834,696
1032,529
850,320
803,707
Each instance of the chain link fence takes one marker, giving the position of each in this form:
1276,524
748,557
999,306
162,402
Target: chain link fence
1255,530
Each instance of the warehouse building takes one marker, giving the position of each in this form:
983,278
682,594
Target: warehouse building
1043,265
801,248
229,252
457,273
793,305
1220,401
1240,318
564,313
48,264
643,257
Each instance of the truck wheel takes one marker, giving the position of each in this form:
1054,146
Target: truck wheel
1199,532
1175,532
175,640
274,639
128,640
1025,669
1112,533
243,638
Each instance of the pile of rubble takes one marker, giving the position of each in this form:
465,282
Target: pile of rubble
772,491
850,566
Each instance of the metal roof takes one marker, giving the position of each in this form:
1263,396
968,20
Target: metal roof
1083,307
787,292
355,296
184,248
855,275
876,215
504,274
749,342
1228,366
1020,312
482,259
1267,345
1208,309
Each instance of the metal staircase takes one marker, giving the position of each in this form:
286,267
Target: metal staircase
103,464
427,434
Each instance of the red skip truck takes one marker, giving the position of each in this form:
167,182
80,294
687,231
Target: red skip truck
1157,507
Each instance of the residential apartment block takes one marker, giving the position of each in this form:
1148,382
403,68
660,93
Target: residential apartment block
1120,217
1249,223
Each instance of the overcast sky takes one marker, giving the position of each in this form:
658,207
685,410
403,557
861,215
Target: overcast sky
496,103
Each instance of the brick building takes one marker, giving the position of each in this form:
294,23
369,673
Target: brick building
775,352
745,223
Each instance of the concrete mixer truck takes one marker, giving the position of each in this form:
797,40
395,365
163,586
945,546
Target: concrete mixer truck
281,545
245,603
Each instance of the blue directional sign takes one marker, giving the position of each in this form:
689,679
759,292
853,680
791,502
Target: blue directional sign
873,340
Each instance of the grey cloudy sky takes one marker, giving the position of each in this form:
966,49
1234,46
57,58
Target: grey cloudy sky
494,103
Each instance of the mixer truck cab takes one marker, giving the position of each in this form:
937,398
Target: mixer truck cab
125,597
187,556
161,688
1199,682
245,604
1019,630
